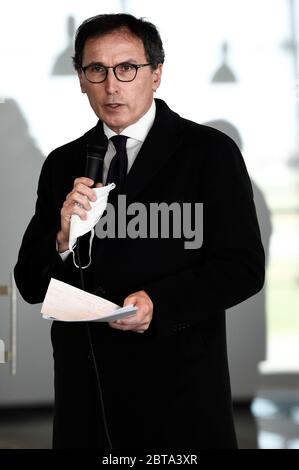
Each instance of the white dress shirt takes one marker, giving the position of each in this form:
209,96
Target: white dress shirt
136,132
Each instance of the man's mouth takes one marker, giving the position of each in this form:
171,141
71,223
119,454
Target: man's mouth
113,105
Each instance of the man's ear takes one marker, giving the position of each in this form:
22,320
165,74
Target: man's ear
157,75
81,80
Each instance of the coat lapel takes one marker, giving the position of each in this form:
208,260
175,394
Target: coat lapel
160,144
156,151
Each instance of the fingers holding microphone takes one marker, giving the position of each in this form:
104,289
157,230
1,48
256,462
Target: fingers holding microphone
77,202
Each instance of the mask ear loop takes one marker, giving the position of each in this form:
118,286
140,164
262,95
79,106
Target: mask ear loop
90,245
108,188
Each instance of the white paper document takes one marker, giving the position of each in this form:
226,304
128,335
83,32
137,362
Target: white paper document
67,303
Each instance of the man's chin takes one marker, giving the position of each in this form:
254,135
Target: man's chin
117,125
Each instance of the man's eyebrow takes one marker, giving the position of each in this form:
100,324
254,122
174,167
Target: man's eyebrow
130,61
94,62
97,62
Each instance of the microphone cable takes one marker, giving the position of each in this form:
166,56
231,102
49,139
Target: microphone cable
98,380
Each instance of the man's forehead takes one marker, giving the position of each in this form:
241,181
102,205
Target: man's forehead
116,39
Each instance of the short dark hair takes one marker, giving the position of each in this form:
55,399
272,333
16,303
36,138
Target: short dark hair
102,24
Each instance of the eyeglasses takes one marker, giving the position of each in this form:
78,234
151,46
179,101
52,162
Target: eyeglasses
97,73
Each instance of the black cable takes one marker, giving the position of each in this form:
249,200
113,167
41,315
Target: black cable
93,354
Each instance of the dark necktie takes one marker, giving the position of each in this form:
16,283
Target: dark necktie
117,172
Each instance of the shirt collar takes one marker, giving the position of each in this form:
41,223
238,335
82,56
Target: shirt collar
139,129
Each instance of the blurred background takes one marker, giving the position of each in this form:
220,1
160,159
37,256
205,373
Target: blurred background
229,64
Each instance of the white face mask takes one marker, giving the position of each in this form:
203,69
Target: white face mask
80,227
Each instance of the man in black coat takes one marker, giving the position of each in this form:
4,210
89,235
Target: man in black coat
158,379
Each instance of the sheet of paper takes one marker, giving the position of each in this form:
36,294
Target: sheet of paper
67,303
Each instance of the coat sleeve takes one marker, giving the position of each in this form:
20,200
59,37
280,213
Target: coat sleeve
38,259
231,261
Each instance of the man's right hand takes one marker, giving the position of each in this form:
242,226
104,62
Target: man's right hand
77,202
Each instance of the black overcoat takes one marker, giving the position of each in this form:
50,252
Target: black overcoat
167,388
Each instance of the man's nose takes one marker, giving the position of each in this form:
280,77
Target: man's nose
111,82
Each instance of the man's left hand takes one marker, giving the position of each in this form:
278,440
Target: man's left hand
140,321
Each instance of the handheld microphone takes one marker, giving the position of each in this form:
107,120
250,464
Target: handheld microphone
95,155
